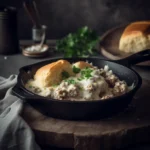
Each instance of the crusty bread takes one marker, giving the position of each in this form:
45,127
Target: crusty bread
82,64
51,74
135,37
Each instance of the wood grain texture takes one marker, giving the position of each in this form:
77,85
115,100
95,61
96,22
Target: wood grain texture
127,128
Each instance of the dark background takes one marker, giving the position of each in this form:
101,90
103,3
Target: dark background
64,16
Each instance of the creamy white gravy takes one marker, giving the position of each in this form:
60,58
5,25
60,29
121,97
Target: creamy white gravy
88,84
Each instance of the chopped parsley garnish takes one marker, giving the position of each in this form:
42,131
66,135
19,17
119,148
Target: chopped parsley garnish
30,86
71,81
65,75
55,85
86,73
79,79
76,70
81,88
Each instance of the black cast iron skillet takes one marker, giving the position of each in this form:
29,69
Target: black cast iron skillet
81,110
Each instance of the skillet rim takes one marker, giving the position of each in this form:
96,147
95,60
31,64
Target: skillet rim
134,90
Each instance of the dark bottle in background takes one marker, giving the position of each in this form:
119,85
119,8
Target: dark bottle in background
9,43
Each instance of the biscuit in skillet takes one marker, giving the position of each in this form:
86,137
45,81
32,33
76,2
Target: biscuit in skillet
51,74
82,64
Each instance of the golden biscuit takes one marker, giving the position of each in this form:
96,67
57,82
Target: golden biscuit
82,64
51,74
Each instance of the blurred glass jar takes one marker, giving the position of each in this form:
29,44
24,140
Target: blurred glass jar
38,34
9,43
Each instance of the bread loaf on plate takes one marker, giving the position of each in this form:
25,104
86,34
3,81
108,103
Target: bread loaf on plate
135,37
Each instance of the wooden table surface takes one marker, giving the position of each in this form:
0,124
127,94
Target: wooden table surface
18,60
11,64
129,127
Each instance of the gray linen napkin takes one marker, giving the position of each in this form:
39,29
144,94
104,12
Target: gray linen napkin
15,134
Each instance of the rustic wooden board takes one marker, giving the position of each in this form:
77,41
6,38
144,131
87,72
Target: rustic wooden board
109,45
129,127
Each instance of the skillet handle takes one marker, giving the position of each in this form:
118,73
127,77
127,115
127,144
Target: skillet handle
135,58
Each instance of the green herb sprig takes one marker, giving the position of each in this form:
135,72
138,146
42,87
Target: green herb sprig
78,44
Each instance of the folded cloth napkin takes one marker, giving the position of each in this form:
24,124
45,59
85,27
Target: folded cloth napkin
15,134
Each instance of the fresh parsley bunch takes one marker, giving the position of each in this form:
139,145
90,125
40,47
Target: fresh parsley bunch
79,44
